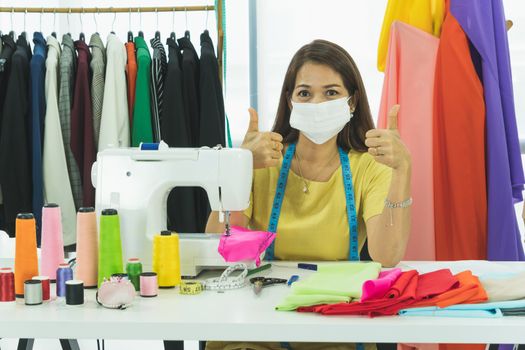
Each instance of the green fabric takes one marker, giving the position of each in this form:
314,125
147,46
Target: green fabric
293,301
331,281
142,131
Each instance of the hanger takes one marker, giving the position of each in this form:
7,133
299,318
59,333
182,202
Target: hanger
54,33
81,37
95,20
141,34
187,32
12,32
157,33
69,14
113,24
130,33
24,34
172,34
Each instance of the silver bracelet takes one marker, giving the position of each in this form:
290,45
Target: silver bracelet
403,204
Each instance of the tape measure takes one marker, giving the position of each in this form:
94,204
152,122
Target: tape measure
225,282
190,288
353,251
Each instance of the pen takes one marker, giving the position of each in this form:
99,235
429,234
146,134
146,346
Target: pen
292,279
305,266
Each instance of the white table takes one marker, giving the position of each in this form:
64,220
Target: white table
240,315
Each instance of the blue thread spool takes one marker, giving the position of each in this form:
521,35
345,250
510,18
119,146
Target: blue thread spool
64,273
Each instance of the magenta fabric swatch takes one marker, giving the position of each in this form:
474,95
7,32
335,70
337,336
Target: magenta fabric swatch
243,244
376,289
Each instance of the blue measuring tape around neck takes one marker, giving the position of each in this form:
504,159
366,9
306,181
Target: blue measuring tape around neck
353,251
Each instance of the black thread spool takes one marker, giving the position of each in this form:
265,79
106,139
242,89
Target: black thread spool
74,292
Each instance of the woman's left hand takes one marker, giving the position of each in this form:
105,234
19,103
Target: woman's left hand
386,146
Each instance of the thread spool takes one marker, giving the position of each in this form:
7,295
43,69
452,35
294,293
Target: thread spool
87,247
46,286
74,292
148,284
166,259
134,269
26,263
33,292
110,253
7,285
52,249
64,273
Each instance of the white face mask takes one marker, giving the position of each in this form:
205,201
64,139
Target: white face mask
321,121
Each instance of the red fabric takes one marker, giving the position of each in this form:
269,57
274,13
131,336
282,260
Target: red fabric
460,195
82,132
409,288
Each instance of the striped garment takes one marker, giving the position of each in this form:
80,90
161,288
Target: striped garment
98,69
65,101
159,65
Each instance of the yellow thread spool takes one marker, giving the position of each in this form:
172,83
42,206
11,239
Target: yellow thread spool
166,259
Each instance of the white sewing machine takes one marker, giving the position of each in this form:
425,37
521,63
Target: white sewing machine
137,183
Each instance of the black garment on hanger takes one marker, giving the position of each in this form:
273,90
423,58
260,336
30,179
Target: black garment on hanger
190,74
212,129
15,164
8,48
175,132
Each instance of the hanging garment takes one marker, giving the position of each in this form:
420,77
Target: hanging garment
409,72
57,188
460,203
505,288
36,125
426,15
82,140
8,47
98,69
211,131
114,128
484,25
142,129
131,79
15,161
190,74
176,133
159,65
68,68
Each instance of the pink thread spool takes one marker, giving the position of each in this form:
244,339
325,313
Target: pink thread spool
52,253
87,247
148,284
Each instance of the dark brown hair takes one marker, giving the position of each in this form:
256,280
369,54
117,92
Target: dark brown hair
327,53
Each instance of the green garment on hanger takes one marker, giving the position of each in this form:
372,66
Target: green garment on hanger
142,129
331,281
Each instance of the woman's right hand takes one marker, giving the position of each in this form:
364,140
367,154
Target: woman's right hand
266,147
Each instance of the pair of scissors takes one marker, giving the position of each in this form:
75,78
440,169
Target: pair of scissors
260,282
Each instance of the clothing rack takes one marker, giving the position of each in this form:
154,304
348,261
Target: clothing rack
81,10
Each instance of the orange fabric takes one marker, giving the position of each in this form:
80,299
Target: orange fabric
410,68
460,196
470,291
131,76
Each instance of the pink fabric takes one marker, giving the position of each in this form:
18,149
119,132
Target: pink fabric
409,82
376,289
243,244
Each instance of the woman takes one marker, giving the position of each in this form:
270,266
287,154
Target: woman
324,124
324,118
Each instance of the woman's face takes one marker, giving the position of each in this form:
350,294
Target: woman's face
316,83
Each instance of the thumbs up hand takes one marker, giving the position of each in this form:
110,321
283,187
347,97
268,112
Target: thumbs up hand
266,147
386,146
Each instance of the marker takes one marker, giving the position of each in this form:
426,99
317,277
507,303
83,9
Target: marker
305,266
259,269
292,279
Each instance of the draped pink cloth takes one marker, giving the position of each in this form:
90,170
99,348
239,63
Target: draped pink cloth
409,82
376,289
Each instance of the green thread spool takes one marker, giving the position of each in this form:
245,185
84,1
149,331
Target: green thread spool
134,269
110,249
